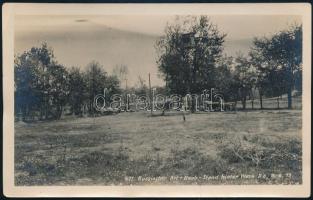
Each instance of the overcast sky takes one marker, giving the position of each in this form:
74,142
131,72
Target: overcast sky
129,40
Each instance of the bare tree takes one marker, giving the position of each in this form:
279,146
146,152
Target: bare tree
121,72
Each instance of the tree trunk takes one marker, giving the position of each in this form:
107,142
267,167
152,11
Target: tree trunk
289,98
243,98
192,106
59,111
290,86
277,102
46,110
27,112
41,112
243,101
261,100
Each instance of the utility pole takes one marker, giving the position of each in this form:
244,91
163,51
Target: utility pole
150,94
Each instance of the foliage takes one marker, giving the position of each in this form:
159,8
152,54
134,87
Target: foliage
278,60
78,90
188,54
225,82
40,83
244,77
43,87
190,59
121,72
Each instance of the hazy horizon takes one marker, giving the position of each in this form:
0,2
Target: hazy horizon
129,40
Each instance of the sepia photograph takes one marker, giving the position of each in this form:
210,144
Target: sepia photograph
163,99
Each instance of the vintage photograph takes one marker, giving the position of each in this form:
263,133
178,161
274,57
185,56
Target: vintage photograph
147,100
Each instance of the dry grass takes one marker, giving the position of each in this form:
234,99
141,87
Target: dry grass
105,150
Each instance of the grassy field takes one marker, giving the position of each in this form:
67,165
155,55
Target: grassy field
255,147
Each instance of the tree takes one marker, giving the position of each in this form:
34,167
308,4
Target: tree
225,79
279,56
188,54
286,48
112,83
95,78
262,63
40,83
245,78
78,90
27,98
141,87
121,72
57,89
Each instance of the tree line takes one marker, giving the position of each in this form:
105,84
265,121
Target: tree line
191,58
43,87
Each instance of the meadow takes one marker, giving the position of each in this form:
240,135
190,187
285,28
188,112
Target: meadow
248,147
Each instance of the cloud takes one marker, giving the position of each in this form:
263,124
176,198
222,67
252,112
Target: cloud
81,20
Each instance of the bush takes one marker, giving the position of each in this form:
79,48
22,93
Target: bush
264,155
